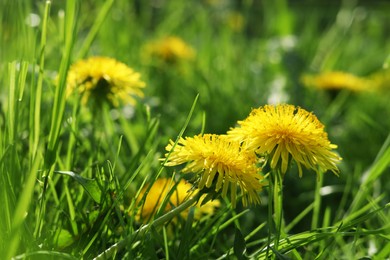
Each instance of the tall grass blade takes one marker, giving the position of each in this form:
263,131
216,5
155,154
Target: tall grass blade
22,208
95,28
11,101
38,92
373,173
59,96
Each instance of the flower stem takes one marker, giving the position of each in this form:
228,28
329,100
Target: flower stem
271,226
108,253
275,209
317,202
278,206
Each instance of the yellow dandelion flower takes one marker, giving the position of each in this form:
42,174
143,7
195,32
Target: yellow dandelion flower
282,131
104,79
170,49
182,191
220,164
336,80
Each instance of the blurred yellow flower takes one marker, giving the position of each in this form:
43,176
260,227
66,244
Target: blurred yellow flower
380,80
104,79
220,164
235,21
215,3
160,189
336,80
281,131
170,49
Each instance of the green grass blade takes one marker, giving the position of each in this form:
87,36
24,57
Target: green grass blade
11,101
59,97
43,253
380,164
38,91
90,186
383,253
22,208
22,79
374,172
95,28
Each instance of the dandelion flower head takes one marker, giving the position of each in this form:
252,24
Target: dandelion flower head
104,79
220,164
170,49
285,132
336,80
182,191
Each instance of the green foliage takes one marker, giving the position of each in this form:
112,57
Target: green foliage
71,175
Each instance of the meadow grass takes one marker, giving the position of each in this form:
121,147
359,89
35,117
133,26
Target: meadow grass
72,175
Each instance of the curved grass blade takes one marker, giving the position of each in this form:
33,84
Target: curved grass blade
90,185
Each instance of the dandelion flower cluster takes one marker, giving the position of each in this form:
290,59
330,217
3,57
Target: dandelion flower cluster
160,189
170,49
104,79
285,132
336,80
220,164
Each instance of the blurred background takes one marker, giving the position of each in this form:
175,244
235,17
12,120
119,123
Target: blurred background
237,55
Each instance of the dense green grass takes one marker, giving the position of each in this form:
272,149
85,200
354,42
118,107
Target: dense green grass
70,175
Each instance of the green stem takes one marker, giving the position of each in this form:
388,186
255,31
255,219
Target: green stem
271,226
317,202
278,206
108,253
275,210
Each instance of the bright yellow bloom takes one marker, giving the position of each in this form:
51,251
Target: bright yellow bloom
281,131
336,80
104,79
220,164
182,191
170,49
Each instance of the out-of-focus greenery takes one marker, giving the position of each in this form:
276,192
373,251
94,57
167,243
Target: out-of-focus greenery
73,196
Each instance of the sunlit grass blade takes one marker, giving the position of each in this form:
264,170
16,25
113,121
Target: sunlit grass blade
381,162
141,231
91,186
43,253
373,173
184,126
58,106
59,96
11,101
38,91
384,252
22,208
95,28
22,79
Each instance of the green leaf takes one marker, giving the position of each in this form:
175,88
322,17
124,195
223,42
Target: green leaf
64,238
90,185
